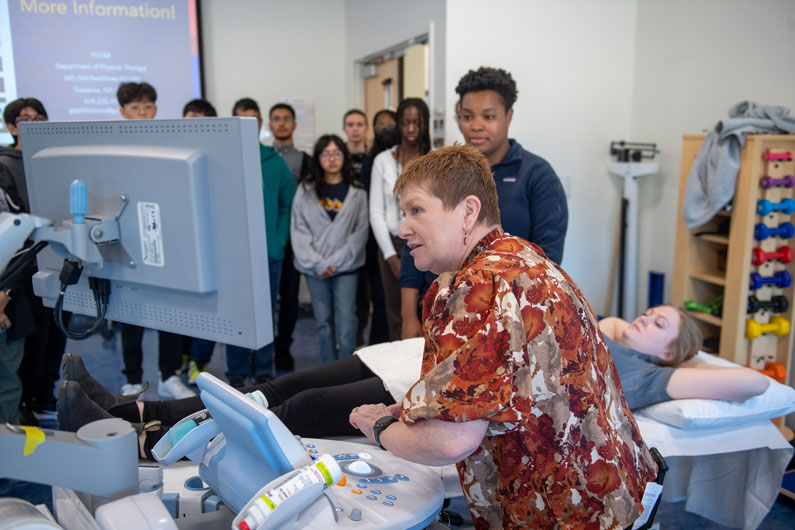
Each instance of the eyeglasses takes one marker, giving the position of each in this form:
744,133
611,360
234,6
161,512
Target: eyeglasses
281,120
333,154
38,117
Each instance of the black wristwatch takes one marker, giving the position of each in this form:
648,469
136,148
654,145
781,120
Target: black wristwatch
380,426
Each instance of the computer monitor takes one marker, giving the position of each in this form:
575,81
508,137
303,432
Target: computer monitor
192,221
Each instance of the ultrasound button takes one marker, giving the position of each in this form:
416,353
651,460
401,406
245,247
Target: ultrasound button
356,514
402,477
376,492
391,497
360,467
372,498
387,503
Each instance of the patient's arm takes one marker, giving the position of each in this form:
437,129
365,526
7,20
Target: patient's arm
698,380
612,327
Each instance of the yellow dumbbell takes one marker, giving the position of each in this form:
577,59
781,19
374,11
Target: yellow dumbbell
778,325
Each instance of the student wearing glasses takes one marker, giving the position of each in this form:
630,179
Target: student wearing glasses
329,230
12,178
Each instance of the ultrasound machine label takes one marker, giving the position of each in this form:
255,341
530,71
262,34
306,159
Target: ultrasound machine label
151,232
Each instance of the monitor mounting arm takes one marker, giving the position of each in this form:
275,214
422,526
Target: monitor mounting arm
91,239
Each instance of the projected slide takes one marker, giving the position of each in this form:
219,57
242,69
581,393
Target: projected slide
73,54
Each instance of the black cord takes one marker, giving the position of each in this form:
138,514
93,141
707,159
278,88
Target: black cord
70,274
20,263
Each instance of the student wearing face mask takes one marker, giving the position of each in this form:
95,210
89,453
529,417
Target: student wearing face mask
385,136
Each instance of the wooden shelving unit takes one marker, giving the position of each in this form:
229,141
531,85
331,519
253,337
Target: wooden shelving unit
715,259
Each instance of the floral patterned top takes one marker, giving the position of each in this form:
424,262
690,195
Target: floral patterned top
510,339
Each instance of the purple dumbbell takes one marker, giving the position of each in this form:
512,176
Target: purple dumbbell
779,279
784,230
769,182
764,207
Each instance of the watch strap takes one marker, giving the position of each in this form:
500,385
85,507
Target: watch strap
380,426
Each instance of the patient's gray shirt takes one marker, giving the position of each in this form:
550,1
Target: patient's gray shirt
642,379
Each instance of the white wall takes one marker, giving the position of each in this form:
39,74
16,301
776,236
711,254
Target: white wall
269,49
375,25
573,64
693,61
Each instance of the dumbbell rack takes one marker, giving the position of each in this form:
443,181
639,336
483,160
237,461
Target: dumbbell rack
711,260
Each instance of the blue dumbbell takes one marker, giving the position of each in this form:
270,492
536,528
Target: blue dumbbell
762,231
779,279
764,207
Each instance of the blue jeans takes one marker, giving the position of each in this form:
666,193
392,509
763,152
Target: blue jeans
334,306
244,362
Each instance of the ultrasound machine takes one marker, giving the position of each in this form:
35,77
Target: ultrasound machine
163,223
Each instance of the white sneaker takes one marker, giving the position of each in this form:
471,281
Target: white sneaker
174,388
131,389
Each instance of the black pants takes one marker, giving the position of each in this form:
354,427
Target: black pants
315,402
288,303
41,363
171,348
379,329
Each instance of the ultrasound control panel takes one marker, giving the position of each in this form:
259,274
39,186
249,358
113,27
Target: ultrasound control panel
378,489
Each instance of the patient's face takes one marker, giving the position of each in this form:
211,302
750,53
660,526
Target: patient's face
654,331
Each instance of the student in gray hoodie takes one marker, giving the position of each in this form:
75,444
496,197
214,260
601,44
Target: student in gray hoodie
328,230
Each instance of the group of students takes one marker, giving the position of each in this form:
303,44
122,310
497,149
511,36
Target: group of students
340,228
333,217
334,204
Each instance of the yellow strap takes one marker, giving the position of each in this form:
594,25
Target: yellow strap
33,437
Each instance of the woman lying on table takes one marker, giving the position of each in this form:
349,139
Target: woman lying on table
652,367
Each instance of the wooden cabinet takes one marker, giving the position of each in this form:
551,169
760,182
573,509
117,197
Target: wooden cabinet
715,259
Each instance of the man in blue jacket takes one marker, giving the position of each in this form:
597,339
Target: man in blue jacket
531,198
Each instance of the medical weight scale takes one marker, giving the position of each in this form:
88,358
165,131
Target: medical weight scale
632,161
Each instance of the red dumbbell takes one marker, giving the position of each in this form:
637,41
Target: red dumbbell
783,254
786,155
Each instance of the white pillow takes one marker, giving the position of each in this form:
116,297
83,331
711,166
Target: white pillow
777,400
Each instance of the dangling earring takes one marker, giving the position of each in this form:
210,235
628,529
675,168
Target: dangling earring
465,238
